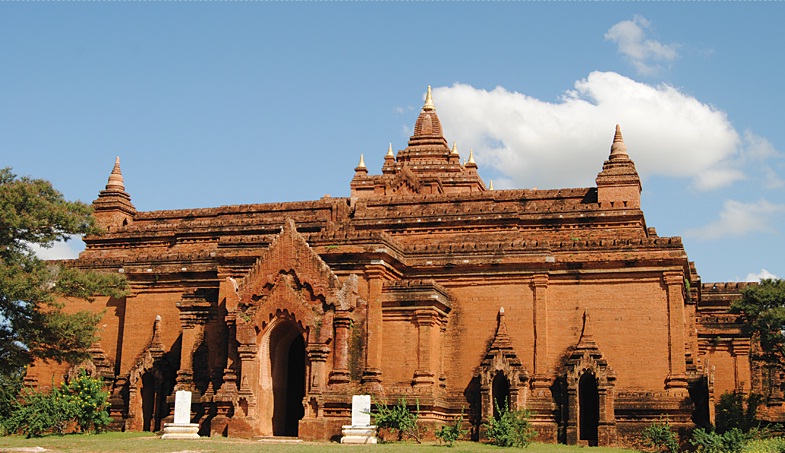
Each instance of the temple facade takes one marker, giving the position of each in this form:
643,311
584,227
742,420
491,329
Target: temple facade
424,284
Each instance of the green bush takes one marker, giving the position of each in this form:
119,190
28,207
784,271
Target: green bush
661,437
731,441
90,401
400,420
736,411
450,433
771,445
510,429
80,402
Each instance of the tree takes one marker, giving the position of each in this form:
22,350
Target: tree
33,324
763,315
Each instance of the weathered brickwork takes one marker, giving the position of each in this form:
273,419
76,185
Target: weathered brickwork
425,284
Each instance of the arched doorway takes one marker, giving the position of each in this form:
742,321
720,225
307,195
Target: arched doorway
287,367
589,407
501,394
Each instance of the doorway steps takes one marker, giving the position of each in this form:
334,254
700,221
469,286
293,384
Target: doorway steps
278,440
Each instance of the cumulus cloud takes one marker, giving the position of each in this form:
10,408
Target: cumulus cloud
739,219
756,277
535,143
60,250
646,55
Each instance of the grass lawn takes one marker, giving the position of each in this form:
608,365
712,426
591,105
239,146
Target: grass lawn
147,442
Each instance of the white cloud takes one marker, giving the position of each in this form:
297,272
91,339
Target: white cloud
739,219
751,277
60,250
646,55
533,143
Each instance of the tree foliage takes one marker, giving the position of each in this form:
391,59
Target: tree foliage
763,313
33,324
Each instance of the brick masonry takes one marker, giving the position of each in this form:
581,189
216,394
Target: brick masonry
424,284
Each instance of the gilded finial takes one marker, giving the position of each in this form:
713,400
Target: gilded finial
618,148
471,157
428,101
390,152
490,185
454,149
362,162
116,177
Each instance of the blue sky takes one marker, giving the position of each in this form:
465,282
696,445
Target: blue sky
211,104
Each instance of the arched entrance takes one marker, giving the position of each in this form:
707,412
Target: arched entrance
589,407
287,377
501,394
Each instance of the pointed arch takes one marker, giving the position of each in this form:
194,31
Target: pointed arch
501,374
590,393
149,382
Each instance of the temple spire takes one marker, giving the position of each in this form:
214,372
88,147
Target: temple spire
390,152
454,150
618,148
115,183
428,101
490,185
618,184
113,207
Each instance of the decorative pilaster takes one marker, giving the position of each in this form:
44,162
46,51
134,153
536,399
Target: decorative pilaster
317,356
541,381
676,381
194,313
340,372
372,374
427,325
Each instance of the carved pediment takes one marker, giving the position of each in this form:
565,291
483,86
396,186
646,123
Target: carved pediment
587,357
291,263
501,356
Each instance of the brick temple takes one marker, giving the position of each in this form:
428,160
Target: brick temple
424,284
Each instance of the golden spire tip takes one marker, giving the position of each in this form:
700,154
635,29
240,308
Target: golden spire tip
471,157
390,151
454,149
362,162
428,101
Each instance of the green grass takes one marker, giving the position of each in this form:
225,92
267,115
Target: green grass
147,442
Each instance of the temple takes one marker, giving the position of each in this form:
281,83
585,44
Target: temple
424,284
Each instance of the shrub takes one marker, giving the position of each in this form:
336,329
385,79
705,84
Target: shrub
732,413
80,401
772,445
731,441
510,429
450,433
400,419
90,401
661,437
